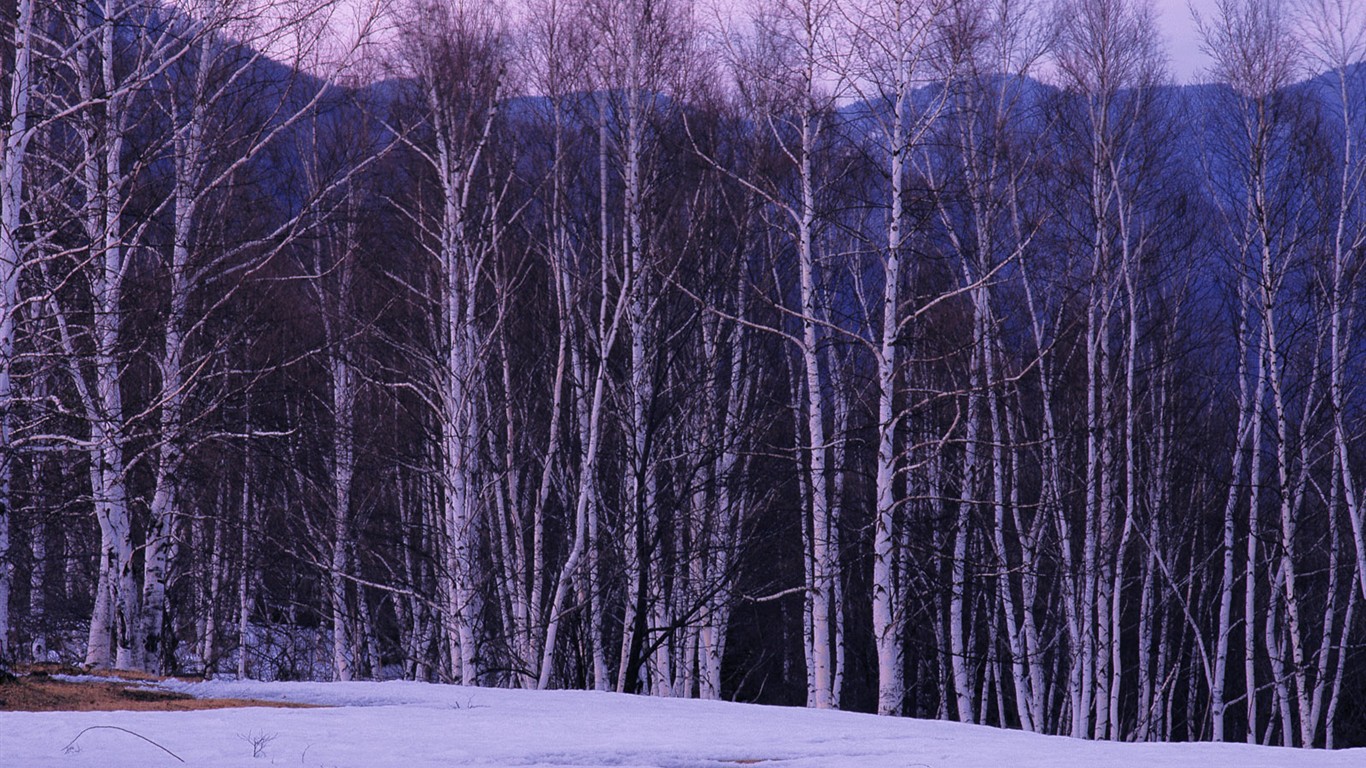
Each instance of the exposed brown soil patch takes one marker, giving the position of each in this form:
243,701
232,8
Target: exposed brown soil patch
38,691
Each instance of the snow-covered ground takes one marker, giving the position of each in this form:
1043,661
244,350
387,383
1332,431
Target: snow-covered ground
412,725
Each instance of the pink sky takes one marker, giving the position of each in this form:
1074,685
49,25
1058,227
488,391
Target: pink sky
1184,58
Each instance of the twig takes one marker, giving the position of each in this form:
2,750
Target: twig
69,747
258,741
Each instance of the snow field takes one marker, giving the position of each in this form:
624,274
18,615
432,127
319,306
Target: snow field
415,725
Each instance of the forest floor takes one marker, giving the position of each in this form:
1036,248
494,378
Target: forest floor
57,688
416,725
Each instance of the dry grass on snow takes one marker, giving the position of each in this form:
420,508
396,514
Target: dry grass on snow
34,689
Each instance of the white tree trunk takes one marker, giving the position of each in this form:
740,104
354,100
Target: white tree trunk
1217,686
887,623
823,545
12,165
964,686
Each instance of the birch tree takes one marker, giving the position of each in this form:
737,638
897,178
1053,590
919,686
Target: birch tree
1256,55
18,91
893,51
449,46
979,172
1335,38
781,78
1109,57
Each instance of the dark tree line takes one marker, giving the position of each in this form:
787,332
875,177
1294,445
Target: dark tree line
928,358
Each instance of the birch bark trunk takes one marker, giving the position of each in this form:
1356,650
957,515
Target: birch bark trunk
459,45
12,165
